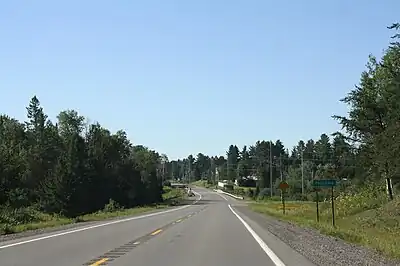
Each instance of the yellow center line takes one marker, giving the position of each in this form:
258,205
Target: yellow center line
99,262
156,232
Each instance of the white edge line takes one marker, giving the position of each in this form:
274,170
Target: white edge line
98,225
221,196
258,239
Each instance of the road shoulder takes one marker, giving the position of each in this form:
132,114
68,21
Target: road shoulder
309,244
286,253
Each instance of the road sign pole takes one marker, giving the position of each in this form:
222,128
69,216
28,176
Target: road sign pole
283,186
325,183
333,208
316,194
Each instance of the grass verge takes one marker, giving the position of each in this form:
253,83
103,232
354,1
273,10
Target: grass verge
364,218
38,220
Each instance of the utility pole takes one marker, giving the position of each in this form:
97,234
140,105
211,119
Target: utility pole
163,171
280,166
280,169
302,172
270,167
190,171
227,168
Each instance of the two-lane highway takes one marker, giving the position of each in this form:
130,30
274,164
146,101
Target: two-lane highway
210,232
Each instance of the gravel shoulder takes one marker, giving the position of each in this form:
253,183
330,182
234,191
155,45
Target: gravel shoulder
320,249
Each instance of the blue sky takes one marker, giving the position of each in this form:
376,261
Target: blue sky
186,76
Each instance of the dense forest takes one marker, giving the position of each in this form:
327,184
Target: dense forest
368,151
71,167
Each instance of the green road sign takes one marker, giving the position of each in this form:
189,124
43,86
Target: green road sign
324,183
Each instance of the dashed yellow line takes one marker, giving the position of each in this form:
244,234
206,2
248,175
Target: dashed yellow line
156,232
99,262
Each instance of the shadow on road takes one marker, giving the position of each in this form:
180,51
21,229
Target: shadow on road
193,201
203,201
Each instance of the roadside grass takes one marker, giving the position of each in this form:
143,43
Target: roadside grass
365,218
246,192
29,219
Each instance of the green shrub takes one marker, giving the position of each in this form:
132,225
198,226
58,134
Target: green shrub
167,189
239,191
17,216
250,193
370,197
112,206
6,229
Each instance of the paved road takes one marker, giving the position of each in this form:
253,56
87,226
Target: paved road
212,232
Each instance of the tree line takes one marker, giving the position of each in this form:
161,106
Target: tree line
367,151
72,167
268,162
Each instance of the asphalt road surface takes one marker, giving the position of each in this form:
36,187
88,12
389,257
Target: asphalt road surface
211,232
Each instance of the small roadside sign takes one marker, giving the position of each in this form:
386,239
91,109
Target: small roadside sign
324,183
283,185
